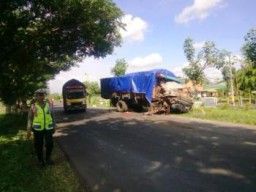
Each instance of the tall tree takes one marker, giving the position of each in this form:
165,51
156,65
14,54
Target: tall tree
92,88
229,71
119,68
40,38
209,56
247,77
249,49
227,76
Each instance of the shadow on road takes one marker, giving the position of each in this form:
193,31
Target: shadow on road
131,152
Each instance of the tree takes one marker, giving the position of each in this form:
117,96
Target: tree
92,88
41,38
247,77
227,76
119,68
247,74
249,49
209,56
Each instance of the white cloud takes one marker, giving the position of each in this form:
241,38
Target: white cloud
151,60
212,74
199,10
135,28
56,84
94,69
178,70
199,45
89,70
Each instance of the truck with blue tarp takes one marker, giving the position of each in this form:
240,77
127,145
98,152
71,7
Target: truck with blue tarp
155,91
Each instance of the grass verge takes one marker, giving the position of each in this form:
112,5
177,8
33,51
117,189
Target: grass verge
18,169
238,115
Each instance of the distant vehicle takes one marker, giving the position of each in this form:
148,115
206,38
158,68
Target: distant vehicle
74,96
155,91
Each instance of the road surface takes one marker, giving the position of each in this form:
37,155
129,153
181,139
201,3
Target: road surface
132,152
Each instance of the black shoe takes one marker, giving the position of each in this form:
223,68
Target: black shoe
49,161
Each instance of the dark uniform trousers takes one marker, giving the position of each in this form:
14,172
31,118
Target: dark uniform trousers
41,138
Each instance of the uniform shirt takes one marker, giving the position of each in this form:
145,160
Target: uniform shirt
31,115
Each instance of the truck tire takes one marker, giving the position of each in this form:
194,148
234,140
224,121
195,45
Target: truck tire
121,106
113,102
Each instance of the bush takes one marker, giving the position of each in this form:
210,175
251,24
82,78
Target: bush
247,106
224,106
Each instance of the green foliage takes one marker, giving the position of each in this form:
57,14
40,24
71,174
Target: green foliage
18,168
226,75
92,88
224,114
194,72
249,48
55,96
224,106
248,106
209,56
2,108
120,67
11,123
189,49
247,77
247,74
41,38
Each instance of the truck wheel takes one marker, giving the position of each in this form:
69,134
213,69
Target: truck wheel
121,106
113,102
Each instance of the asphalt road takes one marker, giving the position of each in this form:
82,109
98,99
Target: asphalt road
132,152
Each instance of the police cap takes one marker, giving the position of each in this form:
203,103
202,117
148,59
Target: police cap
40,91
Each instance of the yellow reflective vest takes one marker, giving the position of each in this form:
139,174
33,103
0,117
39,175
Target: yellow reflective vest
42,117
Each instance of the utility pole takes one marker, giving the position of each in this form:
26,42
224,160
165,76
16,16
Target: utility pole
231,80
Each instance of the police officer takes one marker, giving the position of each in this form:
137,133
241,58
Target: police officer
41,122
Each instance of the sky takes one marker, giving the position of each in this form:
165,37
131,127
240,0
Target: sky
156,31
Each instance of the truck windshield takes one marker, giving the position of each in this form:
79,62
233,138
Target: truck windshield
76,94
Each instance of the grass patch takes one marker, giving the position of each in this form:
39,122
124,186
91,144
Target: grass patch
18,168
2,108
224,114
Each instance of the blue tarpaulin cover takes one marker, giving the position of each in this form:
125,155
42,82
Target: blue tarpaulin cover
139,82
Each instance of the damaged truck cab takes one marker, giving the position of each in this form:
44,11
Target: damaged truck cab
155,91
